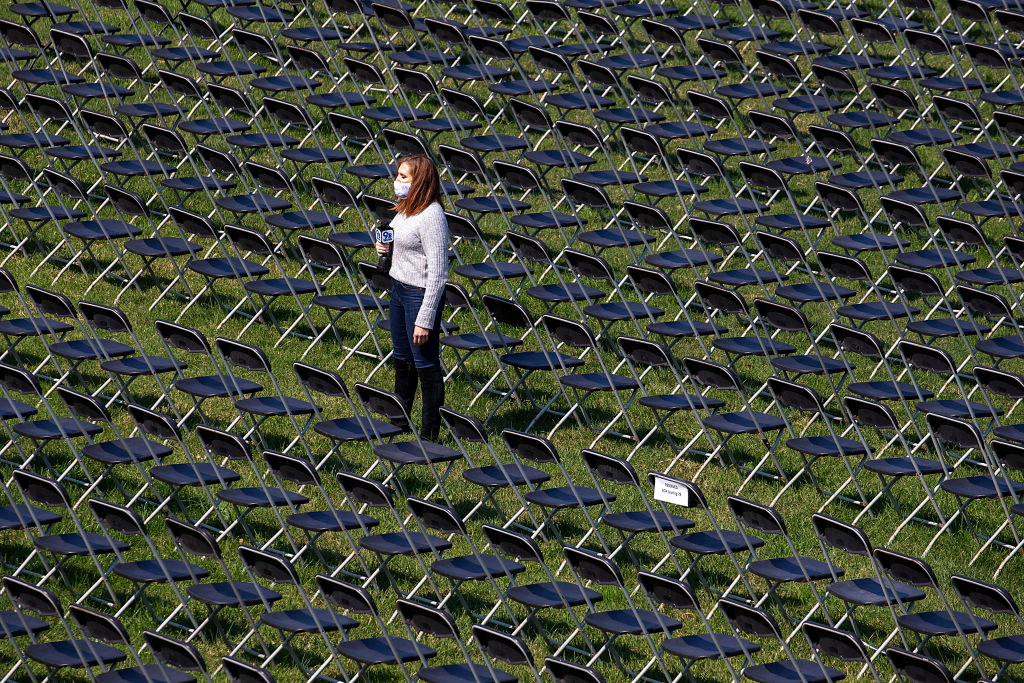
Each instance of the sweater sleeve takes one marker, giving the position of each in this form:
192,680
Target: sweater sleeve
434,237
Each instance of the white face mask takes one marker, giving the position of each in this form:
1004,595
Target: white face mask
402,189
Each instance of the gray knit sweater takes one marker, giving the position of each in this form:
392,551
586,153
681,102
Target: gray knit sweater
419,257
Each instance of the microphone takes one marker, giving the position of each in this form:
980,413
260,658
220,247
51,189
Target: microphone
384,235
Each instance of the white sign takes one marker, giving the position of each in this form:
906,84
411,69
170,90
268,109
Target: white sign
668,491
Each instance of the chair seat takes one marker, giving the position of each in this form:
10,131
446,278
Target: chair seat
559,594
884,390
858,180
79,544
541,360
479,341
99,89
1010,432
870,592
862,119
161,247
90,349
690,72
82,152
877,310
557,158
263,497
261,140
445,125
916,137
925,195
213,126
715,542
753,346
578,100
903,467
146,110
809,364
464,673
1004,98
943,623
199,474
901,72
794,569
128,450
609,238
571,291
806,292
749,90
681,401
491,204
216,386
315,620
415,453
251,203
476,567
227,267
62,427
991,208
796,48
340,99
137,167
623,310
676,130
522,87
869,241
631,622
744,422
605,178
399,543
682,258
197,184
644,522
501,476
807,104
629,60
105,228
746,276
383,650
628,115
356,429
935,258
562,497
708,646
732,206
232,594
475,72
146,673
801,166
393,114
420,57
45,77
686,328
350,302
802,670
599,381
356,239
982,486
74,654
316,155
323,521
18,517
827,446
284,83
1008,649
746,32
34,327
184,53
1002,347
792,221
738,147
959,409
988,150
984,277
488,271
160,570
279,286
494,143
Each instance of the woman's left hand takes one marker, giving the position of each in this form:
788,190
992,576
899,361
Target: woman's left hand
419,335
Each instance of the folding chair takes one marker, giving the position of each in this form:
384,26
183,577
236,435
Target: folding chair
975,594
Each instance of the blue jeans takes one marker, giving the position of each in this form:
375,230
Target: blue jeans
404,307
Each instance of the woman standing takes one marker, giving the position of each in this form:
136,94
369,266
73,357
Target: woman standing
419,269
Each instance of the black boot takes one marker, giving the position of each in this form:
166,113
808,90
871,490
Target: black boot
405,387
433,399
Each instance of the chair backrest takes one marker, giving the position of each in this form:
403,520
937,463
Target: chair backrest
754,515
912,667
243,356
507,312
610,468
291,468
708,374
986,596
782,316
154,424
569,332
519,546
318,380
440,518
984,304
842,535
1008,454
749,619
851,340
51,303
953,432
593,567
906,568
832,642
19,380
345,595
420,617
220,443
913,281
192,540
98,626
721,299
464,427
588,265
645,352
684,493
927,358
530,446
83,406
365,491
796,396
665,590
562,671
173,652
870,413
31,598
117,517
1001,382
106,318
183,338
498,645
243,672
268,566
381,402
41,490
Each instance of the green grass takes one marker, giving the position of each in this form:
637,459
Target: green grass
951,554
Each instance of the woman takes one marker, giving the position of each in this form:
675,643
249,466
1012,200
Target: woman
419,269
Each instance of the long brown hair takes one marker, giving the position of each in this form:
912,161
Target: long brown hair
425,188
